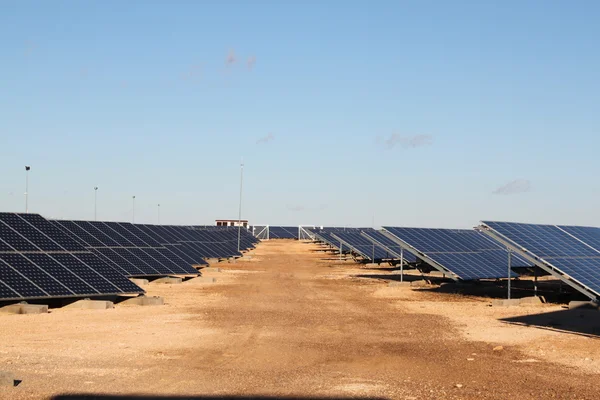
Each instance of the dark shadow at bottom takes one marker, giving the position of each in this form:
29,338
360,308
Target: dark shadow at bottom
184,397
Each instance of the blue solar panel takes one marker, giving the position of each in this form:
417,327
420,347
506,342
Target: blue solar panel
543,240
363,246
572,250
38,260
325,237
283,232
466,253
589,235
389,244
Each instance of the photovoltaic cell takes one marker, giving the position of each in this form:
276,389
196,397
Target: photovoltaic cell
389,244
38,259
574,251
464,252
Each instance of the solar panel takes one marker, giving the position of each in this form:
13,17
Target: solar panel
391,246
363,246
327,238
38,260
570,253
132,250
283,232
465,253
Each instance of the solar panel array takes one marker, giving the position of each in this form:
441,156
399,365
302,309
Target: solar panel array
283,232
133,250
364,242
155,250
37,260
391,246
574,251
326,237
464,252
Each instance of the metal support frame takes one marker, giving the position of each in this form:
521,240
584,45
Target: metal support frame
544,265
405,246
373,254
378,243
509,271
401,264
352,248
261,234
305,234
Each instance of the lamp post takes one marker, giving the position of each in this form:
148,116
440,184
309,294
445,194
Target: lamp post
95,203
240,209
27,168
158,219
133,211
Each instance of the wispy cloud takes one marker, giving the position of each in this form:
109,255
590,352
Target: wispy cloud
231,59
514,187
193,72
396,139
251,62
299,207
30,47
266,139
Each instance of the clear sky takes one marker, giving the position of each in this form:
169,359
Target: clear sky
424,113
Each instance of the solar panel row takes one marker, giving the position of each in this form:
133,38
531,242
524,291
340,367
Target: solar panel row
155,250
571,253
37,261
466,253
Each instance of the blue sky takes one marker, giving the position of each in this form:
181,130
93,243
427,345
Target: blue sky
434,114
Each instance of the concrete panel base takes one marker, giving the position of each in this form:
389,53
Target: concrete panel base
7,379
532,301
25,309
437,273
590,305
505,302
372,265
211,269
92,305
139,282
212,261
419,283
399,284
205,279
168,280
144,301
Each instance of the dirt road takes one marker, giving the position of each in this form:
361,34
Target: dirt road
286,323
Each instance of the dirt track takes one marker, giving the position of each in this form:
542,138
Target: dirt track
286,323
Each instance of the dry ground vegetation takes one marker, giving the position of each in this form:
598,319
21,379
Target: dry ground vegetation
286,322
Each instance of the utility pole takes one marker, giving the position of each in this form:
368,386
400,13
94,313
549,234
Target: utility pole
240,209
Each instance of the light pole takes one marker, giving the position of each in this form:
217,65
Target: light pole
133,211
27,168
158,214
95,203
240,210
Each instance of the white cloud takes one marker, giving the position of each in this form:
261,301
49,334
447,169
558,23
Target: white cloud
265,139
405,141
514,187
231,59
251,62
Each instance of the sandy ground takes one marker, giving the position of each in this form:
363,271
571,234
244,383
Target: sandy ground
287,323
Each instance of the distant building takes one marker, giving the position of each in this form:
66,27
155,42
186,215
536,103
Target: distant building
232,222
